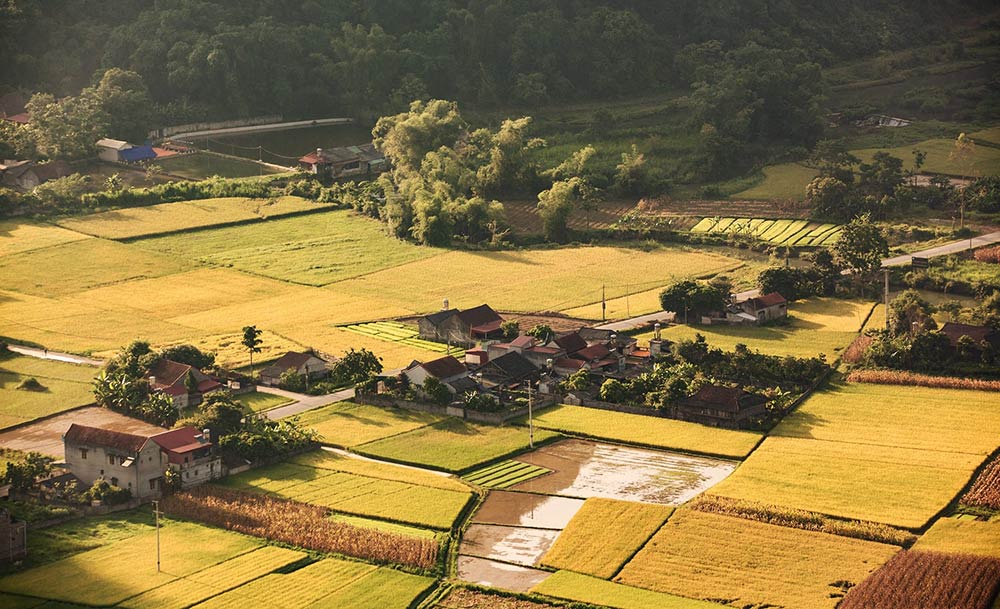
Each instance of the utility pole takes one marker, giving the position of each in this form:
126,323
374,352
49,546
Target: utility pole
531,421
886,270
156,512
604,305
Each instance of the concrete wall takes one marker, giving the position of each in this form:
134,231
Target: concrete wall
149,465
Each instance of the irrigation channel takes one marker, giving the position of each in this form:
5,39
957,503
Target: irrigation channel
514,527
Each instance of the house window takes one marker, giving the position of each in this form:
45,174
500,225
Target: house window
83,453
111,459
152,484
195,473
114,481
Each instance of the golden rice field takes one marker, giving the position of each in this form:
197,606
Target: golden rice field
583,588
453,445
171,217
361,494
701,555
889,454
327,460
127,568
553,279
962,535
65,386
649,431
20,236
819,325
348,424
315,249
603,535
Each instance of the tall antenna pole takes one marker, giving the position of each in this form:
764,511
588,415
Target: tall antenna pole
604,305
531,421
156,511
886,298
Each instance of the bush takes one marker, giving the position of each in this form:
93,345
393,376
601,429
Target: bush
107,493
30,384
988,254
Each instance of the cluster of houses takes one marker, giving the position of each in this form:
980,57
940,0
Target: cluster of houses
507,368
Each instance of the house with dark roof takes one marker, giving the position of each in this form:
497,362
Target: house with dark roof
26,175
446,369
303,364
186,385
461,327
765,307
528,346
509,369
345,161
12,108
138,462
977,334
571,342
720,406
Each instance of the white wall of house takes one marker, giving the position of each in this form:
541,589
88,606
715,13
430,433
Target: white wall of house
196,472
88,463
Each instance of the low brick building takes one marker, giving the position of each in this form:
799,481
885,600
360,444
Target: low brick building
720,406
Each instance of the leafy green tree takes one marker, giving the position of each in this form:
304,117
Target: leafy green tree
356,367
68,128
831,199
556,205
614,391
542,332
24,469
578,381
862,246
407,137
881,177
158,408
511,329
983,194
16,141
691,297
125,100
221,414
909,313
790,282
631,175
252,341
190,355
437,391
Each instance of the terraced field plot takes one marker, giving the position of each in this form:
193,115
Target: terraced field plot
819,325
65,386
171,217
784,181
799,233
328,583
316,249
647,431
395,332
505,474
18,236
940,159
532,280
604,534
582,588
962,535
902,464
340,461
358,494
702,555
453,445
126,568
349,424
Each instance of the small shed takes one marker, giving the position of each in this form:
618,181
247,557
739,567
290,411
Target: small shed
294,361
766,307
111,150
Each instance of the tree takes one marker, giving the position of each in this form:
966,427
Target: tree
190,383
983,194
862,246
159,409
614,391
437,391
252,341
356,367
964,152
68,128
830,198
578,381
406,137
691,297
510,329
24,469
881,177
631,175
790,282
910,313
555,206
221,414
542,332
124,99
190,355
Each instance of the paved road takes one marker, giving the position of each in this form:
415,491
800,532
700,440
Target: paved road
55,355
948,248
303,402
638,322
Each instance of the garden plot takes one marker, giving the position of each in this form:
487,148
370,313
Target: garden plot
798,233
403,334
700,555
505,474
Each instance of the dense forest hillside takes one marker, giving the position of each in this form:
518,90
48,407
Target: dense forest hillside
202,58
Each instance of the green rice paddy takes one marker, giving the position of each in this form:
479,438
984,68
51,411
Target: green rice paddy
793,233
396,332
505,474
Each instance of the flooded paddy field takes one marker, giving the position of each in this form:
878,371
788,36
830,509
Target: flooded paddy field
284,147
512,529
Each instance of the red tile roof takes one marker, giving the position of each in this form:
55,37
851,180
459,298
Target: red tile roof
524,341
96,436
768,300
955,331
482,315
571,342
568,364
177,442
592,352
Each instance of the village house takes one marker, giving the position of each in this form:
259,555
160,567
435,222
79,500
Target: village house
26,175
186,385
138,463
766,307
977,334
446,369
12,109
528,346
461,328
305,364
345,161
720,406
111,150
508,370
